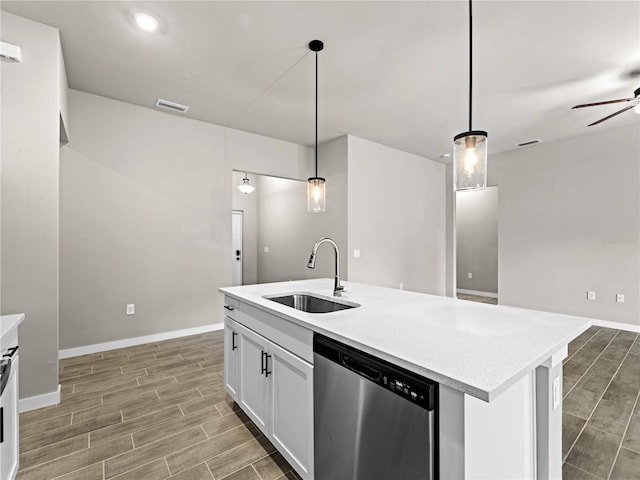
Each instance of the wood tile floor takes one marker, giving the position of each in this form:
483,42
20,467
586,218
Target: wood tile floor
159,411
148,412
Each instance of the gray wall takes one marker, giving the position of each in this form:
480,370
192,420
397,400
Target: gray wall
477,239
396,218
31,104
569,219
145,216
248,205
285,226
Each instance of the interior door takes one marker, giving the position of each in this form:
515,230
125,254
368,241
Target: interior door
236,247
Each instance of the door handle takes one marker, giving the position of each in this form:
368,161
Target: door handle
233,341
11,352
266,369
237,253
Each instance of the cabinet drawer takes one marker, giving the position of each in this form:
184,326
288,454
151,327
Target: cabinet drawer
294,338
230,307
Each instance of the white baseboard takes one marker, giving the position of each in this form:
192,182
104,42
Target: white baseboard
130,342
39,401
618,325
476,292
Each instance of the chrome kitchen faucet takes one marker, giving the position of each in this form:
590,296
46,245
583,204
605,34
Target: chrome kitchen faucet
337,288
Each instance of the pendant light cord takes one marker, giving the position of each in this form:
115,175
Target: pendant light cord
470,61
316,114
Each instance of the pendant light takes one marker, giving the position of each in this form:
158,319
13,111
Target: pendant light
316,198
470,148
245,187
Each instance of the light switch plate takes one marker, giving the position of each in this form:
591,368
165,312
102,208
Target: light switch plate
266,250
556,392
591,295
131,309
356,253
619,297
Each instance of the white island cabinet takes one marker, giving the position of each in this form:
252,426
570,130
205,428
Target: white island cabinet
10,361
499,371
272,382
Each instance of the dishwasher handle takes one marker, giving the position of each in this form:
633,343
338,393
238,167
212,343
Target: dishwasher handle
359,367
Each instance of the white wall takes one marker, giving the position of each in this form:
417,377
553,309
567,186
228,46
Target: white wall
396,218
146,218
32,97
477,239
569,220
248,205
285,226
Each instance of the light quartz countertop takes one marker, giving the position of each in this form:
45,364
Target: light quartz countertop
477,348
9,322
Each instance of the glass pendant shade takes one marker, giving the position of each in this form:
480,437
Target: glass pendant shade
245,187
316,199
470,160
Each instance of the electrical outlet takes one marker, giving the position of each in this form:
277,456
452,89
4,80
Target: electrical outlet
591,295
619,297
556,392
356,253
131,309
469,275
266,250
401,286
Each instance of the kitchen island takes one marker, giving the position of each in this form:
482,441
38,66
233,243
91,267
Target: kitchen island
499,370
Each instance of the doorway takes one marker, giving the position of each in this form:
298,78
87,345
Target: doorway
477,245
236,247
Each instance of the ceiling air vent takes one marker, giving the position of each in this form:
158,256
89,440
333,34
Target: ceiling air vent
174,107
530,142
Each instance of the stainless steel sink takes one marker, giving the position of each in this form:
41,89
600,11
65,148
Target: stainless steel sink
310,303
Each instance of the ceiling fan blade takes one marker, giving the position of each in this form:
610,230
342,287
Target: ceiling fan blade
612,115
621,100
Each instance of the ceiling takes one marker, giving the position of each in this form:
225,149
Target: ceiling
392,72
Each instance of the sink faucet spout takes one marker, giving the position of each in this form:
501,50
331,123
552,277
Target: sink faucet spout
337,288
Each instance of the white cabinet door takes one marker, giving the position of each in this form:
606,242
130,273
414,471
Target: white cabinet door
231,358
9,426
254,398
292,409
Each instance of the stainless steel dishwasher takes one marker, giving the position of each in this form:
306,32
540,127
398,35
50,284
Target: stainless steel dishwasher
372,420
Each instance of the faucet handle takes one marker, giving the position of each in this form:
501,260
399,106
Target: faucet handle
338,291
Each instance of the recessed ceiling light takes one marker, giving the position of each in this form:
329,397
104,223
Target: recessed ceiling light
146,22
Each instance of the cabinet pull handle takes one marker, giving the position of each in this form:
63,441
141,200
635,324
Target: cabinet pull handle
233,341
5,369
1,424
231,309
262,367
266,370
11,352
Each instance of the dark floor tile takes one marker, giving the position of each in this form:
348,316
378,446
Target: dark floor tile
632,437
627,466
580,403
154,418
569,472
567,384
624,388
579,363
610,418
594,452
605,365
595,381
49,452
571,428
